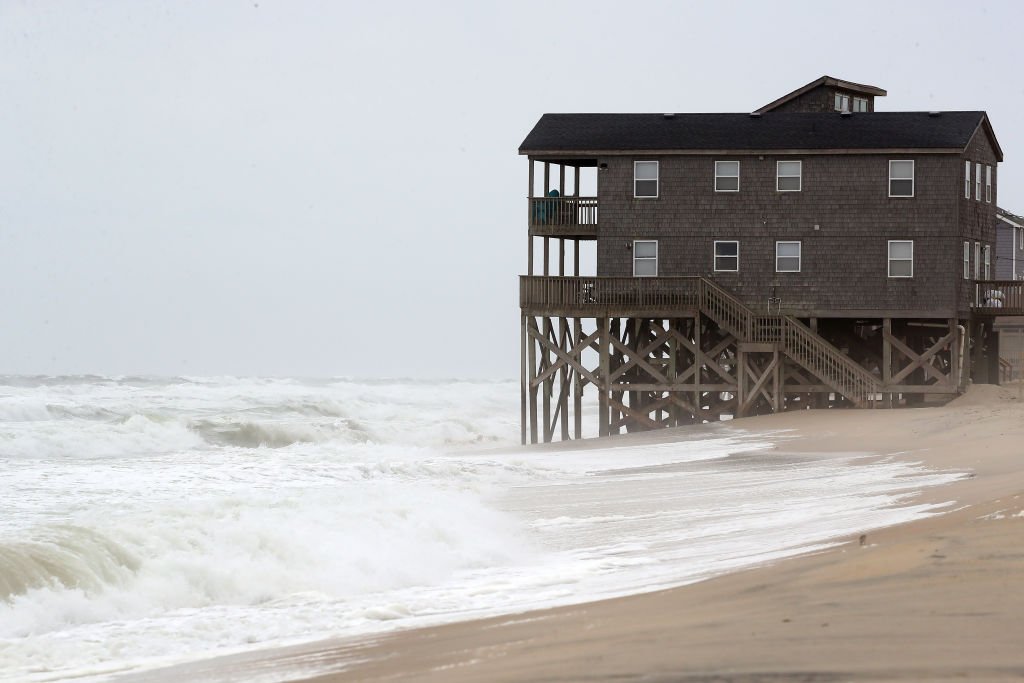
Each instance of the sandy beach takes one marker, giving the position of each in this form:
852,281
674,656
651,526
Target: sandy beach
938,599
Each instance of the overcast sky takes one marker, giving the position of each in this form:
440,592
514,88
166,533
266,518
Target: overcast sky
278,187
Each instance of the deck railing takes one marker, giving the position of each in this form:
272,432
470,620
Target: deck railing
605,293
562,212
999,297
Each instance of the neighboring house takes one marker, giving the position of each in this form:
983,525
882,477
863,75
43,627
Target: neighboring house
1010,266
1009,246
814,250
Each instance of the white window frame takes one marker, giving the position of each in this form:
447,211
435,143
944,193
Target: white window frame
967,179
842,102
715,256
799,256
988,184
890,259
719,175
860,104
977,182
977,260
912,178
986,252
967,259
646,258
1020,236
657,179
799,176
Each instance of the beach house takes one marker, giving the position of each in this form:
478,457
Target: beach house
812,252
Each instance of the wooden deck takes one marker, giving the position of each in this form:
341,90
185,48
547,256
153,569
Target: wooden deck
569,217
609,297
995,298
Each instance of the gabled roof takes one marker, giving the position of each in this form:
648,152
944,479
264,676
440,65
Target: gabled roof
827,81
673,133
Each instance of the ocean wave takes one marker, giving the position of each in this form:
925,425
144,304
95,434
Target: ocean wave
63,556
254,434
79,438
258,546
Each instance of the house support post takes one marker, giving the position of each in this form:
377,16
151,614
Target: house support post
887,362
548,382
566,344
741,382
524,379
992,349
532,327
603,376
577,383
954,354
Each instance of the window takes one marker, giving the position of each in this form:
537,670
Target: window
901,258
967,179
1020,238
842,102
986,250
787,257
787,176
860,104
967,260
977,260
645,178
727,176
645,258
988,184
727,256
901,178
977,182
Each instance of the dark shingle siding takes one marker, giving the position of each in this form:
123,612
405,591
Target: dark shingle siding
844,261
770,131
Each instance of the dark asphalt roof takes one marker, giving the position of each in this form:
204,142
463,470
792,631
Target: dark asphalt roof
772,130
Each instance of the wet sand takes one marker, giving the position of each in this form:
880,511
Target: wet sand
934,600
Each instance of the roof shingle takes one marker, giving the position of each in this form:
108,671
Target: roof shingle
770,131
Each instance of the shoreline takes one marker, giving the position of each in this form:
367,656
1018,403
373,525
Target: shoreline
936,598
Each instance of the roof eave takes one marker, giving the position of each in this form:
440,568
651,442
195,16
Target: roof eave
553,153
992,136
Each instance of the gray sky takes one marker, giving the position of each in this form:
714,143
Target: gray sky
281,187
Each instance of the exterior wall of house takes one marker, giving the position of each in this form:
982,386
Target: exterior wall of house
1009,261
821,99
976,216
842,216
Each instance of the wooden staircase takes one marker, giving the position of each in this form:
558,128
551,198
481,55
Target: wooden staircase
794,339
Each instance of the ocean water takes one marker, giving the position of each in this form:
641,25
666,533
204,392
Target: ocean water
147,522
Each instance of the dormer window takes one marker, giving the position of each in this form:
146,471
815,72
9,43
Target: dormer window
842,102
860,104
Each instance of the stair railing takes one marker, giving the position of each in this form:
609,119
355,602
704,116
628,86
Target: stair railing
797,340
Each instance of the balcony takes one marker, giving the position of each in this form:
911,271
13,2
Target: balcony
998,297
570,217
600,297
